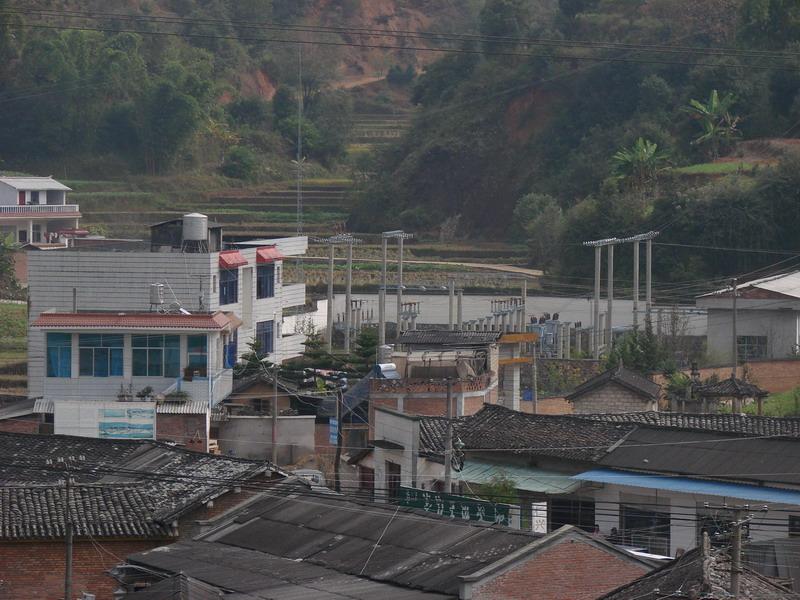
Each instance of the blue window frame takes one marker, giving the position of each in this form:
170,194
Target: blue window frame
156,355
265,331
229,286
231,350
197,353
59,355
100,355
265,281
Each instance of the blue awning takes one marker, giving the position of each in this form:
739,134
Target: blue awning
740,491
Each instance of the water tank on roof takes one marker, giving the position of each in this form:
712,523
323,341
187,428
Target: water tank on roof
195,227
156,294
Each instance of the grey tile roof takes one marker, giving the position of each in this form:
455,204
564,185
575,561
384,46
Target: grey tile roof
547,435
257,575
445,337
731,387
722,422
417,550
705,454
181,587
699,574
123,487
622,376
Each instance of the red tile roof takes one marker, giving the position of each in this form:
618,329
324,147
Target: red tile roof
230,259
268,254
132,320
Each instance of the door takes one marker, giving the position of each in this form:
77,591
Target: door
247,299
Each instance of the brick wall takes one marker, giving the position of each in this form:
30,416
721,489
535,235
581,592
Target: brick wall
189,430
555,405
35,570
774,376
570,570
29,424
611,398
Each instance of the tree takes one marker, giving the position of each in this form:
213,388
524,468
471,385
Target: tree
170,118
240,163
365,351
770,23
501,489
716,121
639,350
639,164
503,18
9,286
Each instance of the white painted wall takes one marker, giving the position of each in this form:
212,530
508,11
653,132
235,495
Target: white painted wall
781,327
87,418
403,430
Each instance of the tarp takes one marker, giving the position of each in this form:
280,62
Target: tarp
687,485
524,478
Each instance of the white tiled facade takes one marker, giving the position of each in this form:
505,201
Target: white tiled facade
121,281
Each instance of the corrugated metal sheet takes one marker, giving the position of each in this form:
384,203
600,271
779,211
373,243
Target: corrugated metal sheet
708,455
34,184
524,478
692,486
182,408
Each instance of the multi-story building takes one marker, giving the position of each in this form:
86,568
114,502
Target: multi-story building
35,209
171,319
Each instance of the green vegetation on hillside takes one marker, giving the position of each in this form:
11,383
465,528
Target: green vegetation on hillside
557,151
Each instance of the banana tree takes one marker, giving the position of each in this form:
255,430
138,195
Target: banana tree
716,121
639,164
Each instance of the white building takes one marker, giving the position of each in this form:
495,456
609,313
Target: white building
110,322
768,319
35,209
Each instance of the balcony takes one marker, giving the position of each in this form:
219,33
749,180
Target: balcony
44,210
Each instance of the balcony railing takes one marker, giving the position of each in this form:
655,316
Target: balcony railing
37,209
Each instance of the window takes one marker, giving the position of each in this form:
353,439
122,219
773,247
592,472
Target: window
264,336
34,197
197,353
156,355
37,233
794,525
229,286
100,355
645,528
751,346
231,350
393,474
571,511
59,355
23,236
265,281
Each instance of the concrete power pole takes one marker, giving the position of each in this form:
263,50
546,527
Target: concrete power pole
451,296
349,240
382,295
399,284
636,284
329,324
348,298
460,309
649,280
598,250
735,345
610,292
448,444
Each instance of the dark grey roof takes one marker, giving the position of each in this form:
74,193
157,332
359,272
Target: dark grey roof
181,587
731,388
699,573
257,575
417,550
711,455
124,488
620,375
495,426
722,422
445,337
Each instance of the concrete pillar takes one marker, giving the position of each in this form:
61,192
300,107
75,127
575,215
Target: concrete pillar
460,309
567,341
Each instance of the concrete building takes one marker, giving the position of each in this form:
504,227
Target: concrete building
768,319
35,209
170,318
617,390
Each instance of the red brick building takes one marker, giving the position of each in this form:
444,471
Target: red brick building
127,496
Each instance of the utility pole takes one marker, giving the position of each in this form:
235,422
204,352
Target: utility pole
610,292
338,455
399,285
460,309
636,284
275,415
68,532
399,235
348,293
329,325
734,288
448,443
649,279
382,295
535,383
451,296
736,553
598,250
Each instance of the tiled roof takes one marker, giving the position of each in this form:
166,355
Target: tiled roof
731,388
36,512
700,573
621,376
34,183
182,408
723,422
146,484
132,320
495,427
268,254
445,337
